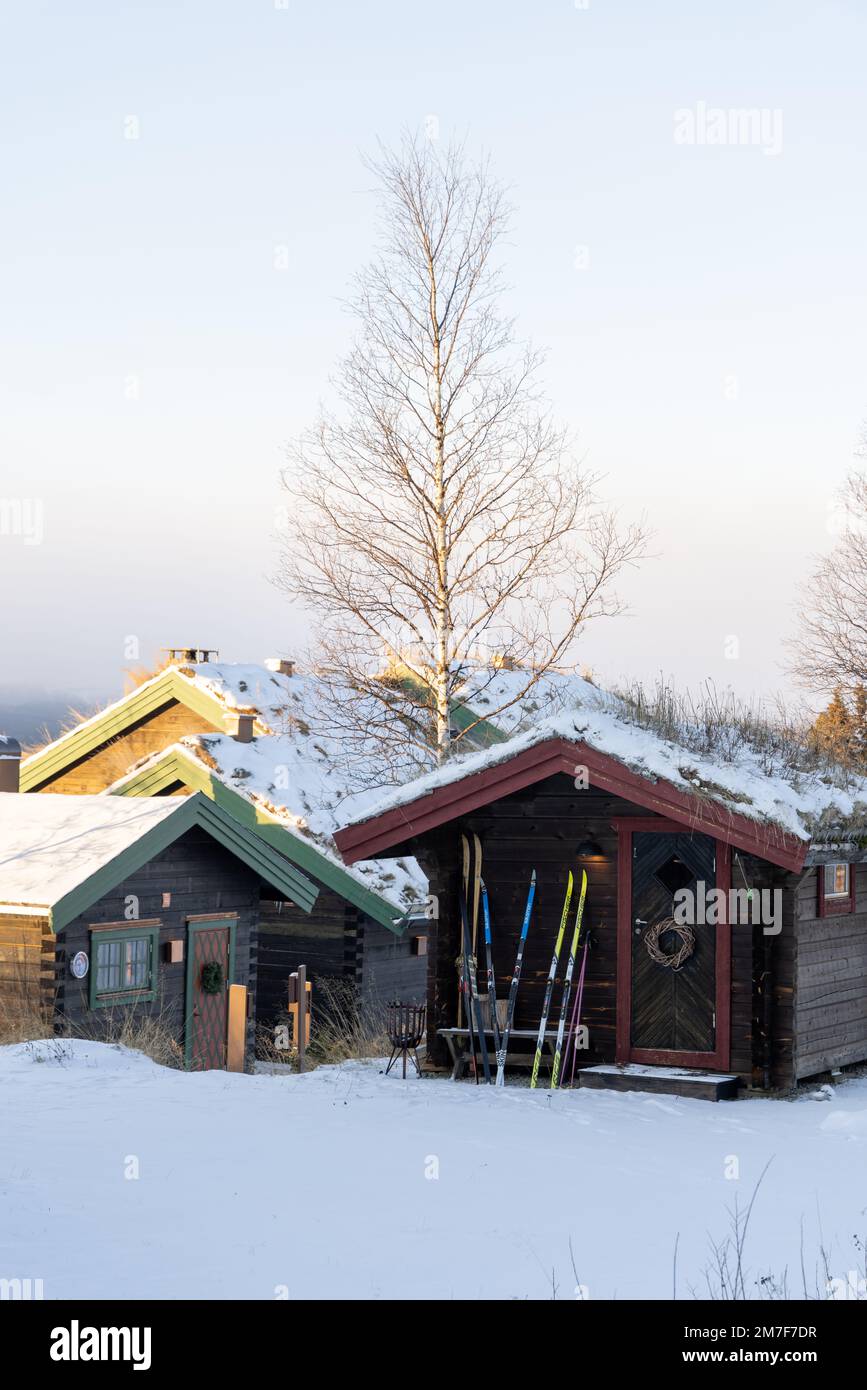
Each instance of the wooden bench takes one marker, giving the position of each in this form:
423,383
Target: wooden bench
457,1041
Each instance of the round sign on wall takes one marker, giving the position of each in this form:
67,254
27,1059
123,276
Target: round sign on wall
79,965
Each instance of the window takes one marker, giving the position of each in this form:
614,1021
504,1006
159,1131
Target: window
123,966
836,889
674,875
836,880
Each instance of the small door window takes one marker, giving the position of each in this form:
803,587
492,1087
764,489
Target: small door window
836,880
836,889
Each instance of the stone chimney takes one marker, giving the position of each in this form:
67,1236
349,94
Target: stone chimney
280,665
245,728
10,763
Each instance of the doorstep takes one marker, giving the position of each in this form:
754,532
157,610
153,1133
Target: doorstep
668,1081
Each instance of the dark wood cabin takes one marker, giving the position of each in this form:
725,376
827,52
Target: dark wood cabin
769,1007
353,934
337,941
112,910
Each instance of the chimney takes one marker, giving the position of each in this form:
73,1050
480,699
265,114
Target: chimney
10,763
193,656
280,666
245,728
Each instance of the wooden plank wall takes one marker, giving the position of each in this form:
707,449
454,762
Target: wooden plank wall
387,966
763,973
335,941
152,735
324,941
831,976
541,827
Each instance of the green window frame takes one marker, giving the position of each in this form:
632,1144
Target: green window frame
123,966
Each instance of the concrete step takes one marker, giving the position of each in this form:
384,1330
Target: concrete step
668,1081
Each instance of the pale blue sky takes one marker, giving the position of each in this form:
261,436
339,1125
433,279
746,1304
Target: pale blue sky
710,355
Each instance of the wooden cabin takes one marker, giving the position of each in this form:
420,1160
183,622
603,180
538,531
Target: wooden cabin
238,734
110,906
767,1002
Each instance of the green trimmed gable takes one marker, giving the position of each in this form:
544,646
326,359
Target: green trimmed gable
90,756
162,775
252,849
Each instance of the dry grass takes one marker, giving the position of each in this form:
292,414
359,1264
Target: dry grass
719,725
151,1034
345,1029
24,1017
22,1020
341,1030
24,1014
133,678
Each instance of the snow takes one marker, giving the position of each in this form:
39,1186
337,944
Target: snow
582,713
659,1073
346,1184
294,771
247,688
51,844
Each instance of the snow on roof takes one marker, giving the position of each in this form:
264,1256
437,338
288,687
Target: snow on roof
582,713
304,789
291,770
49,844
296,773
246,688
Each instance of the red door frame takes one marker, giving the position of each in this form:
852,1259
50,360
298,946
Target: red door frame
625,1052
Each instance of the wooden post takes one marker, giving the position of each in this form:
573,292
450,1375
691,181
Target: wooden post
237,1038
301,1016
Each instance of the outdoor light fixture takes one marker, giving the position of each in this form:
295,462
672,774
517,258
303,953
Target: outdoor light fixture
588,849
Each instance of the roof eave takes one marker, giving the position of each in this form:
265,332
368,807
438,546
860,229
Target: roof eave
266,862
375,835
86,738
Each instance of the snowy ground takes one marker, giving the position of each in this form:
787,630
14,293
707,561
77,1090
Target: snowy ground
346,1184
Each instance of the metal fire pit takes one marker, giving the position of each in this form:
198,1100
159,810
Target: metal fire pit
405,1025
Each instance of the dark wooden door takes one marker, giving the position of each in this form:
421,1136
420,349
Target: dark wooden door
207,1013
673,1011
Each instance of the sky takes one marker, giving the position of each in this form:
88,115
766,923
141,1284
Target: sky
184,204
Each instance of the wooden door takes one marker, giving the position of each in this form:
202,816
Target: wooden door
210,946
671,1016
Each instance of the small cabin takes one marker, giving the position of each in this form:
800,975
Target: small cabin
765,985
112,909
243,736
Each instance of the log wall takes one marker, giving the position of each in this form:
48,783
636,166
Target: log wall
26,975
335,942
831,975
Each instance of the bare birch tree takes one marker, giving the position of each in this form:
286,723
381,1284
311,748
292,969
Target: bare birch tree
829,652
437,515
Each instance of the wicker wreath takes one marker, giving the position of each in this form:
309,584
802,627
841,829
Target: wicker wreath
674,959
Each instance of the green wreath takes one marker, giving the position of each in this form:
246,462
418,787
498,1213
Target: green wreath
212,977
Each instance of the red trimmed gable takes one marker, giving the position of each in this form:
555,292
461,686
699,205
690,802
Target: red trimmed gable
369,838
